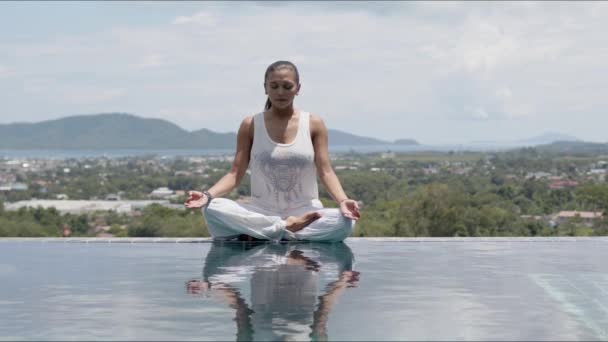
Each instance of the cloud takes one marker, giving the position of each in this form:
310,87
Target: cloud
57,92
409,62
151,61
4,71
498,62
467,96
93,94
199,18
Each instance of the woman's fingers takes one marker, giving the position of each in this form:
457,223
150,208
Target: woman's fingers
353,209
356,209
194,204
350,216
195,194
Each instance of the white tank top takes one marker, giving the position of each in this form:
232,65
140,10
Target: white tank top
283,176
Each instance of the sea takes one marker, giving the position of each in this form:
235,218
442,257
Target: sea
173,153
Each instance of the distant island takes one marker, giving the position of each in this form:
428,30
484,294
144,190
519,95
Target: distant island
127,131
574,147
543,139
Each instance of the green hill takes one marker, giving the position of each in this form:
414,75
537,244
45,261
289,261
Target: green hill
126,131
575,147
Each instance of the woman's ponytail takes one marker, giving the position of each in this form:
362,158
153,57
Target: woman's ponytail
268,104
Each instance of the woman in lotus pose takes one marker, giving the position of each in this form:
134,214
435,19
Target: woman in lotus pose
285,149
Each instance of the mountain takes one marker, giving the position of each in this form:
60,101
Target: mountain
575,147
209,139
548,138
543,139
340,138
91,132
127,131
405,142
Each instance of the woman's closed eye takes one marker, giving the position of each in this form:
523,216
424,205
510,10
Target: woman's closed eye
287,86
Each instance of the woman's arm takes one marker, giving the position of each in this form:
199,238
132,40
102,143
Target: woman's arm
239,166
326,173
327,301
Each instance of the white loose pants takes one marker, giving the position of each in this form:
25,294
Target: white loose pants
227,219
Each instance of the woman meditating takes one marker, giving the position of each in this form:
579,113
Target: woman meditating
285,149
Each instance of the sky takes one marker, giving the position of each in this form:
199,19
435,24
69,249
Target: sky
438,72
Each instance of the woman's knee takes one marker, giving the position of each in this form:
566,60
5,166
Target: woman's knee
216,206
347,226
335,215
337,221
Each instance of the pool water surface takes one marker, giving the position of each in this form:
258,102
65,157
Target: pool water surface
363,289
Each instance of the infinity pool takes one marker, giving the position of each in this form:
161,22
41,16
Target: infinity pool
364,289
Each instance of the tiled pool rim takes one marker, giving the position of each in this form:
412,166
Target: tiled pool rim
352,239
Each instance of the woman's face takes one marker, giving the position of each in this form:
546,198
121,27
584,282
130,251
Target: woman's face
281,87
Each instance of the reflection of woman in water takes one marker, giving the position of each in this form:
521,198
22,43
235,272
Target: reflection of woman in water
274,287
285,150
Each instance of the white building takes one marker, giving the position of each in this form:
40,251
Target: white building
162,192
84,206
13,187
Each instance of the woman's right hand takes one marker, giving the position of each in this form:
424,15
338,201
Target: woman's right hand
196,199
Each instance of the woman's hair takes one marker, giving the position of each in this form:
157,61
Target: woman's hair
276,66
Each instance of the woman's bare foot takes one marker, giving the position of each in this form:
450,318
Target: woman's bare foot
296,223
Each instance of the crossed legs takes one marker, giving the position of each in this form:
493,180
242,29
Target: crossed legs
228,219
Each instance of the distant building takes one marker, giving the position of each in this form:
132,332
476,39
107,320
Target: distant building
19,187
13,187
461,170
183,173
163,192
112,197
538,175
104,235
345,167
84,206
430,170
101,229
532,217
586,216
389,154
561,184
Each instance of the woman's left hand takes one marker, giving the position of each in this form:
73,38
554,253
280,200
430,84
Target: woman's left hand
350,209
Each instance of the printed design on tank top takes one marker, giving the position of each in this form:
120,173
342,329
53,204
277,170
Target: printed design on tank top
283,173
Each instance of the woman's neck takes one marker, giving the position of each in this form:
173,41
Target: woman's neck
284,113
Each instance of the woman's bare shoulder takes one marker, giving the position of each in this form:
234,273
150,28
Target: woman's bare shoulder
316,124
248,120
247,124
